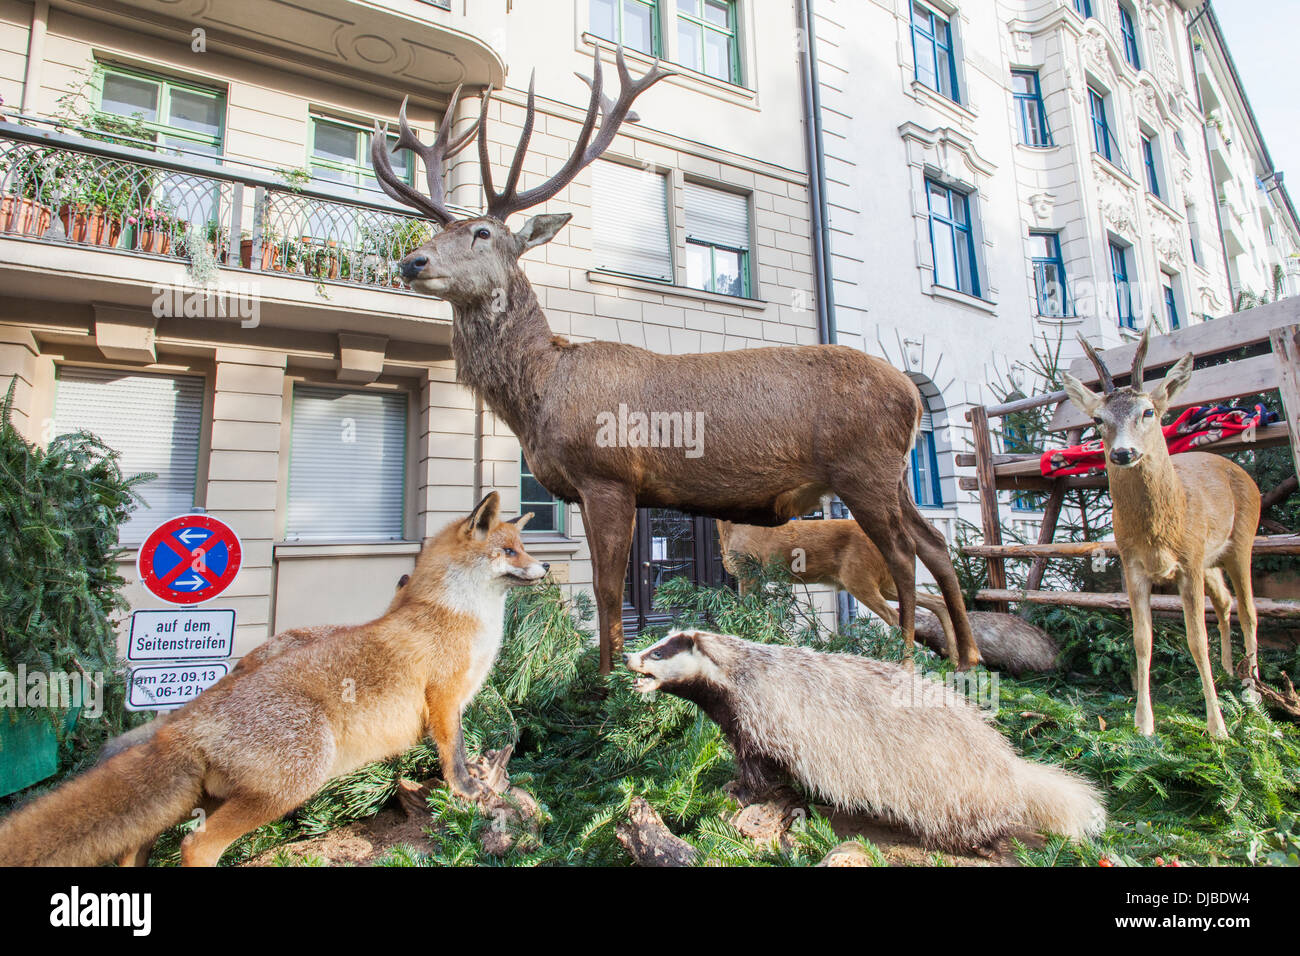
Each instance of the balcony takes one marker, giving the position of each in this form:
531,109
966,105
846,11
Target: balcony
165,219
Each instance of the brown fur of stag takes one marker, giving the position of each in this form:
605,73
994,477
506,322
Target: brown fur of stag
868,735
785,426
255,745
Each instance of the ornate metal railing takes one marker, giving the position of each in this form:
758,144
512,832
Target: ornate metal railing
73,190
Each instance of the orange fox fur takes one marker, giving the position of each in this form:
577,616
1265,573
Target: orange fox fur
835,551
261,741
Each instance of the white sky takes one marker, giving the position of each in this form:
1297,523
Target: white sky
1262,35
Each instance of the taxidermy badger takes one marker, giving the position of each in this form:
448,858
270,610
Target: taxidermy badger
867,735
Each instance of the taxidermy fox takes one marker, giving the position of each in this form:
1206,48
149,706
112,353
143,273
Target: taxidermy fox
258,743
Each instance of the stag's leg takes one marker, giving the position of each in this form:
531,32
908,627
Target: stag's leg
1139,602
932,549
609,515
1237,564
1221,598
1192,590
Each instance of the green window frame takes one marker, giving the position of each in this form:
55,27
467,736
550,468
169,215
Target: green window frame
548,510
611,20
355,173
715,275
705,25
163,123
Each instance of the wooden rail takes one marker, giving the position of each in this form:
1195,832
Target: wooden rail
1118,601
1264,545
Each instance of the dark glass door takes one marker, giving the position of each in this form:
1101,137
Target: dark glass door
666,545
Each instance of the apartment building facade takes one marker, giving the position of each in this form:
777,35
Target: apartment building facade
1015,173
212,290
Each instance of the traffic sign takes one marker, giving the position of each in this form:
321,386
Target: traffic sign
163,634
168,686
189,559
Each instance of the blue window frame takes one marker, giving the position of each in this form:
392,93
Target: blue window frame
1171,304
924,466
1129,33
1120,276
1152,167
1029,106
1103,141
936,65
1084,8
951,239
1049,274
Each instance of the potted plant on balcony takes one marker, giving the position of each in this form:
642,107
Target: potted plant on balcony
152,228
270,251
61,508
21,211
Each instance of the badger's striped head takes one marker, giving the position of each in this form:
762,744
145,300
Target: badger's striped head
680,659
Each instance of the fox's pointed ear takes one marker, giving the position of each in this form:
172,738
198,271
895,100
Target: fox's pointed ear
522,520
483,517
541,229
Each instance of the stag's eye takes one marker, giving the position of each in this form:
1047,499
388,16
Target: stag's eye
482,233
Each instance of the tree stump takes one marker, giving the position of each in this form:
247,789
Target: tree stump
847,854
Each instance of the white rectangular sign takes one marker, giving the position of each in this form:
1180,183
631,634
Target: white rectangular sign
167,686
166,635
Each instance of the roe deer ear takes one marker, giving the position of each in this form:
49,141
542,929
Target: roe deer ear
483,517
1084,398
522,520
541,229
1175,381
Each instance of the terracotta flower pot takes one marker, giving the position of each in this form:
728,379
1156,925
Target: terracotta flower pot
156,241
270,255
93,225
26,217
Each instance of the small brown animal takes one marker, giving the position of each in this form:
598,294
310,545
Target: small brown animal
835,552
257,744
1182,519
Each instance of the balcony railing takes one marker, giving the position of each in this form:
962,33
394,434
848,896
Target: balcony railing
70,190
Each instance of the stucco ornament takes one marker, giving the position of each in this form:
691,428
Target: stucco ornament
1117,208
1042,205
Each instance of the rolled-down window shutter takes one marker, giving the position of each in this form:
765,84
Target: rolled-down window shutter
716,217
152,421
629,220
347,465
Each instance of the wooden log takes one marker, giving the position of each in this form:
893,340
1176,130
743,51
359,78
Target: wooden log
1280,493
1286,357
1046,532
1164,603
649,841
989,517
1267,544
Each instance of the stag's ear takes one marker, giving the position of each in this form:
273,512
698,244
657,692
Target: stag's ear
541,229
482,518
1083,397
1175,381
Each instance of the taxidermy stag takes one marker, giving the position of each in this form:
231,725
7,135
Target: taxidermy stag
1181,519
784,426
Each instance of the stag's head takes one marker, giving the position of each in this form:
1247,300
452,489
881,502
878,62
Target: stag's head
469,260
1128,418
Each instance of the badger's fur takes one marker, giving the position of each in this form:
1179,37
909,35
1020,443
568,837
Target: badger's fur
867,735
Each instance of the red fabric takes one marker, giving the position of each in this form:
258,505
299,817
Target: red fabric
1197,426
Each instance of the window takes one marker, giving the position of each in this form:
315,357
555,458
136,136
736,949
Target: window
347,465
1129,32
707,37
1029,106
1119,273
1049,274
1103,141
1151,164
629,221
548,510
1171,304
923,466
1083,7
936,66
152,421
340,153
951,239
633,22
178,114
717,240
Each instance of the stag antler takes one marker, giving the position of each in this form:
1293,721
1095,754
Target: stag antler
434,205
1107,383
585,151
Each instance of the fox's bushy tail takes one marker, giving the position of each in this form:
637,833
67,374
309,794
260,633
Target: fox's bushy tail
1058,801
115,806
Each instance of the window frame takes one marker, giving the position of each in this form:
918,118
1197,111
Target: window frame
1170,295
933,497
1129,35
656,29
362,166
670,227
956,227
1057,260
1102,133
932,39
1121,275
166,85
736,77
1083,8
1024,101
714,247
1151,163
530,504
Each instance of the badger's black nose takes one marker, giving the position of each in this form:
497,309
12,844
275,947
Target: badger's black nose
412,266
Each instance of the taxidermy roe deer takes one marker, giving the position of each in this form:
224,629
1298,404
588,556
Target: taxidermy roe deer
1183,518
786,425
832,551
